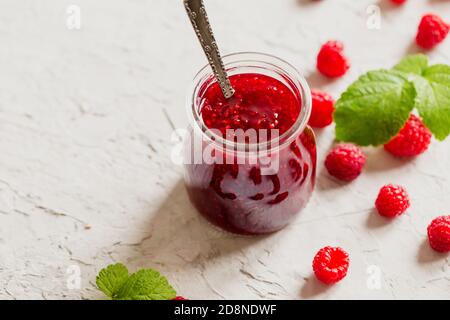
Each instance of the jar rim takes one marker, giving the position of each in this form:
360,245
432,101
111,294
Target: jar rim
279,65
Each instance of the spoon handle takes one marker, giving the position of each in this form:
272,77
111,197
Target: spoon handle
199,19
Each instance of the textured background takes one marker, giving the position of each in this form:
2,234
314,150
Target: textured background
86,179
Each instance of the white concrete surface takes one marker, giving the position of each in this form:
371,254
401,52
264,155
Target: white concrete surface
86,179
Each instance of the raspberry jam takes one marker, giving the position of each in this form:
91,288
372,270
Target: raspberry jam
238,191
260,102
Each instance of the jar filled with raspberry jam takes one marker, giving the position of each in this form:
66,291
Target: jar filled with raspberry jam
250,161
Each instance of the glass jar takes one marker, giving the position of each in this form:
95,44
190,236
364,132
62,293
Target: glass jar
250,188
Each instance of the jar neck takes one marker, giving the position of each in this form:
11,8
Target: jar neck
255,63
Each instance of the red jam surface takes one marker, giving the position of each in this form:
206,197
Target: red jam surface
240,198
259,102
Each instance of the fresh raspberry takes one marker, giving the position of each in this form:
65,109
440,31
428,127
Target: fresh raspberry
412,140
398,1
322,109
432,31
330,264
392,201
331,60
439,234
345,162
179,298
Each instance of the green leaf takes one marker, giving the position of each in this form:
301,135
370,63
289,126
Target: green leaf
415,64
433,99
374,108
146,284
111,279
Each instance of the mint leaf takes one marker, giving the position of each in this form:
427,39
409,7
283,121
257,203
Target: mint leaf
111,279
415,64
374,108
433,99
146,284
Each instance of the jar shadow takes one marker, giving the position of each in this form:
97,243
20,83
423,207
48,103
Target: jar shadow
179,236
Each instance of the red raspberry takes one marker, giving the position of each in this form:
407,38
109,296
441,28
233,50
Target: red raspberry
331,60
322,109
432,31
330,264
392,201
179,298
345,162
412,140
398,1
439,234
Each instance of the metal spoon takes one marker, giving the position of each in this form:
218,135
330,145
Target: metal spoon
199,19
